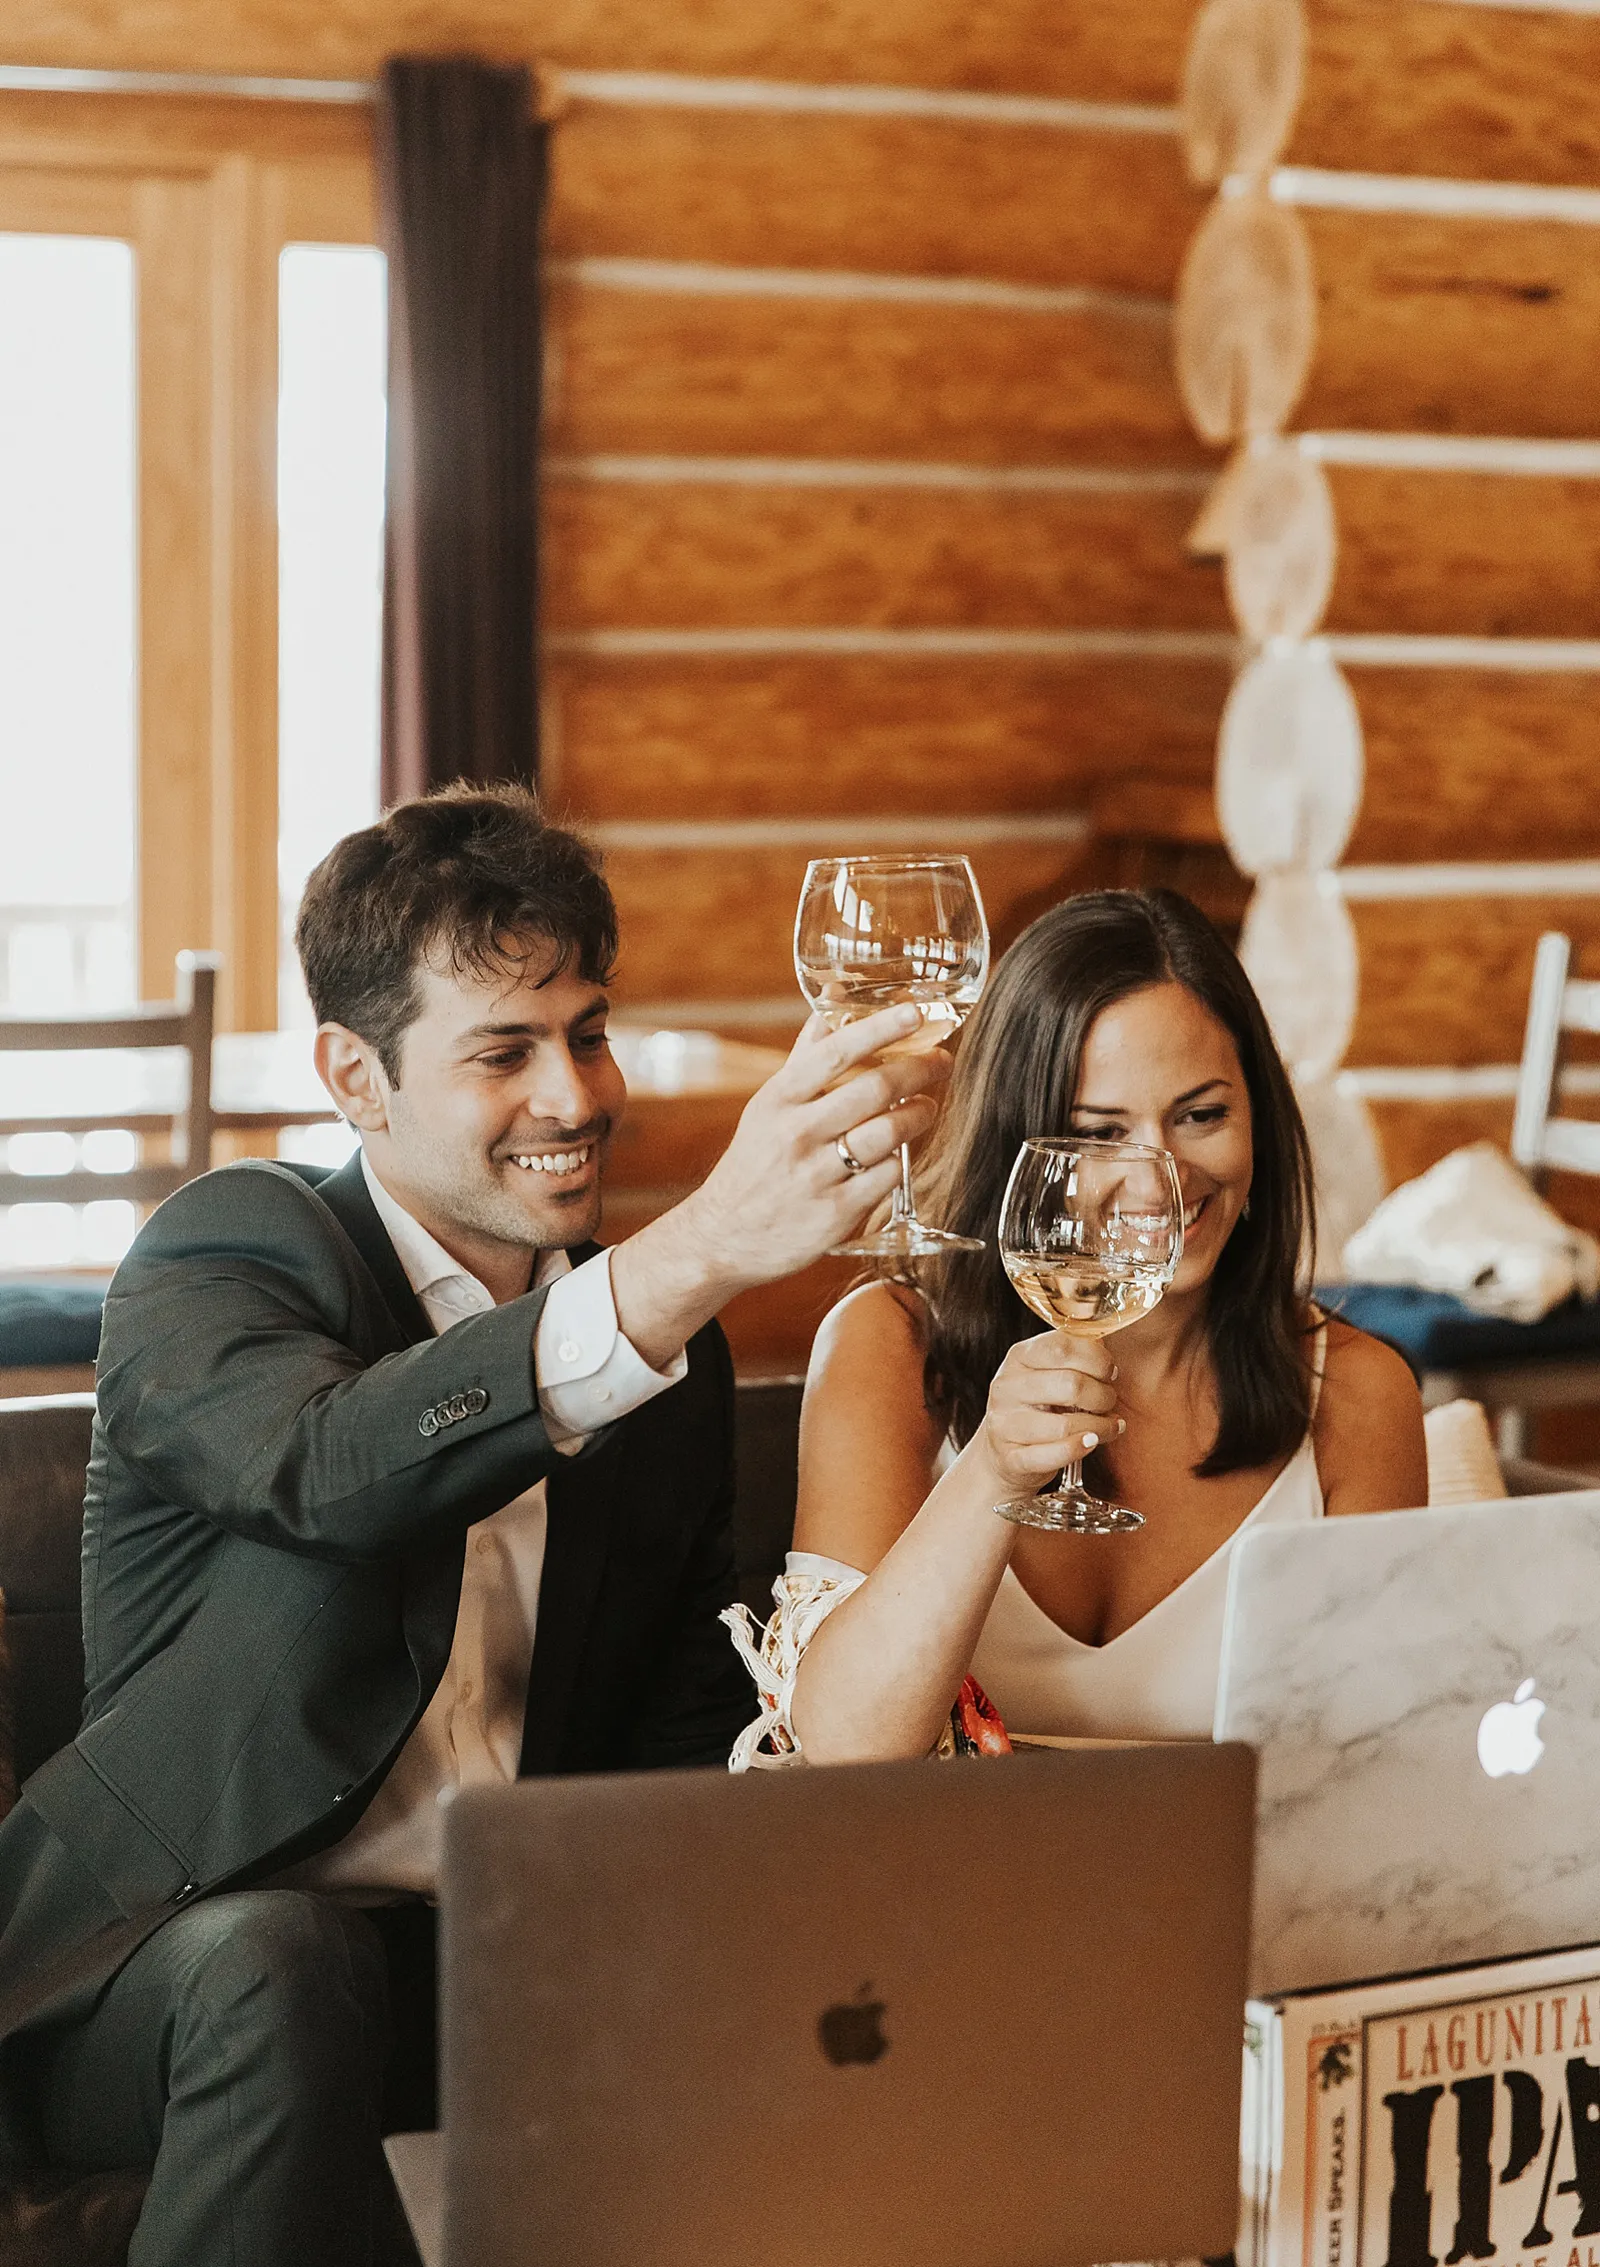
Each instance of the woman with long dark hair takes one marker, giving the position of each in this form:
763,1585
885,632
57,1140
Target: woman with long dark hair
1121,1015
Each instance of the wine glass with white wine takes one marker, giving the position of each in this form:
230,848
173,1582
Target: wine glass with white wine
875,932
1091,1233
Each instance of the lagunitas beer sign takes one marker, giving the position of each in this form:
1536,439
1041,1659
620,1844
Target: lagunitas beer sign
1445,2119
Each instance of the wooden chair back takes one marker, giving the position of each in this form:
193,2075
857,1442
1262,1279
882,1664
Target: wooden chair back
186,1022
1557,1003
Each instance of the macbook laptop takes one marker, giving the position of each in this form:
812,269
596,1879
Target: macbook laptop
1423,1690
980,2014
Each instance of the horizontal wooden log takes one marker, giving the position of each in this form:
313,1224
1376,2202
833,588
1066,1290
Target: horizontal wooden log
1454,326
1392,85
1451,754
668,372
801,736
908,196
1427,325
1402,85
1477,764
719,924
1462,764
1425,551
1445,980
695,554
1416,86
1086,51
1486,554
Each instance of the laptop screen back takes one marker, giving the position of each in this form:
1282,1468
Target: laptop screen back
1423,1688
908,2015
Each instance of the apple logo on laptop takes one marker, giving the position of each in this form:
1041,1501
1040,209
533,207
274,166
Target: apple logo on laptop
1508,1737
852,2029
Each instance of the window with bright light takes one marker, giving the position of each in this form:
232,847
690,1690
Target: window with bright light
331,416
68,560
67,578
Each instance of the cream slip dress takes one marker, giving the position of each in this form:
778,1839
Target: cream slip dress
1156,1680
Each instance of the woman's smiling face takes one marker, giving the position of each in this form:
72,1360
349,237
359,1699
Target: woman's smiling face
1158,1067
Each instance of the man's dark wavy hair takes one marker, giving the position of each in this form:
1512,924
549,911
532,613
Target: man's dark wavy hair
470,878
1017,1074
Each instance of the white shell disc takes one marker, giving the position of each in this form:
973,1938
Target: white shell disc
1281,542
1241,85
1246,321
1290,761
1299,949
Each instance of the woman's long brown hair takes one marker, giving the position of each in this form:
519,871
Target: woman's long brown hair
1017,1074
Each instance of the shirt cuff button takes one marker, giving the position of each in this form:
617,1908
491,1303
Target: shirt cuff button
569,1350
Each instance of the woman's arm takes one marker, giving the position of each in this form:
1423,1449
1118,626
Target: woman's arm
878,1678
1371,1453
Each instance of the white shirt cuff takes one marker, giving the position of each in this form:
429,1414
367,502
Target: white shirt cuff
586,1372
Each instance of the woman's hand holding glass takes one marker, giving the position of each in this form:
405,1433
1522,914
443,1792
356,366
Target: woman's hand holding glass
1053,1400
1091,1233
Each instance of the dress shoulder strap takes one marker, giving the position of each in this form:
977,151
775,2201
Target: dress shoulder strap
1319,1359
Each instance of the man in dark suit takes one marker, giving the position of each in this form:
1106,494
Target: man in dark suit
398,1483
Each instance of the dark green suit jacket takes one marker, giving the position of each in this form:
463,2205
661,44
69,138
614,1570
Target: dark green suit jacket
273,1547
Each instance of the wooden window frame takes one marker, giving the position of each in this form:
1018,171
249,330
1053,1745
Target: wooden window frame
207,193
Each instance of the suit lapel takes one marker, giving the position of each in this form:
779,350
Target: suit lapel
345,1195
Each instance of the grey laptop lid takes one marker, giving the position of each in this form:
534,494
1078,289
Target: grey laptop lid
978,2014
1423,1688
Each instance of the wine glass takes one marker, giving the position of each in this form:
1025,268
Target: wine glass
872,933
1091,1233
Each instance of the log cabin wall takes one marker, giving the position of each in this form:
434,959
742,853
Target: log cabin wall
869,480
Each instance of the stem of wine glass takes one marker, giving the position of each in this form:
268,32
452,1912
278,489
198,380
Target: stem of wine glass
1070,1476
901,1206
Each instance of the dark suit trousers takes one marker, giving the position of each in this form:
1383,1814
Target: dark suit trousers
241,2055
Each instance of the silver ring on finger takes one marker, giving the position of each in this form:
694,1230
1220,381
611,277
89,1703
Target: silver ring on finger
848,1158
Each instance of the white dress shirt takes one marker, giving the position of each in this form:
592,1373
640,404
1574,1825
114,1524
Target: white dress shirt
587,1374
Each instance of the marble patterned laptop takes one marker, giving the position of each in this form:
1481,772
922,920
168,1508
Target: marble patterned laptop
1423,1688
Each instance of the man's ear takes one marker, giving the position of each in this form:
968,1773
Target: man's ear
349,1068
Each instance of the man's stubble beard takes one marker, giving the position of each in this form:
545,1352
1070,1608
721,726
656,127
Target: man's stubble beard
479,1203
494,1211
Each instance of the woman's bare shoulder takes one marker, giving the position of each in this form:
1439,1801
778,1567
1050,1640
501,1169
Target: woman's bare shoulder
879,1322
1370,1444
1354,1355
868,1441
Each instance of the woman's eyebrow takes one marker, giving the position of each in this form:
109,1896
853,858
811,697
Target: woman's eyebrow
1119,1109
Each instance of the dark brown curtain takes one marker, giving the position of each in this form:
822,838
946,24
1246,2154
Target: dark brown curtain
461,172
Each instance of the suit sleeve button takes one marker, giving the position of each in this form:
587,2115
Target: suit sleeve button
476,1401
428,1423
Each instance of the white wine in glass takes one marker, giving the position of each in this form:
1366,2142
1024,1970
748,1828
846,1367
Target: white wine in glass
876,932
1091,1233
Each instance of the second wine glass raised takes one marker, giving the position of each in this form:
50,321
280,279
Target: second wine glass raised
876,932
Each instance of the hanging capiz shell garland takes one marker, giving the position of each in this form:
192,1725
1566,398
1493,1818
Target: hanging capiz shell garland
1290,758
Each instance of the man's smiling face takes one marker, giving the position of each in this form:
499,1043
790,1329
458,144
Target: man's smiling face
507,1096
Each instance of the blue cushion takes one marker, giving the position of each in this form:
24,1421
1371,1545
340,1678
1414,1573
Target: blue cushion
1436,1332
50,1324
